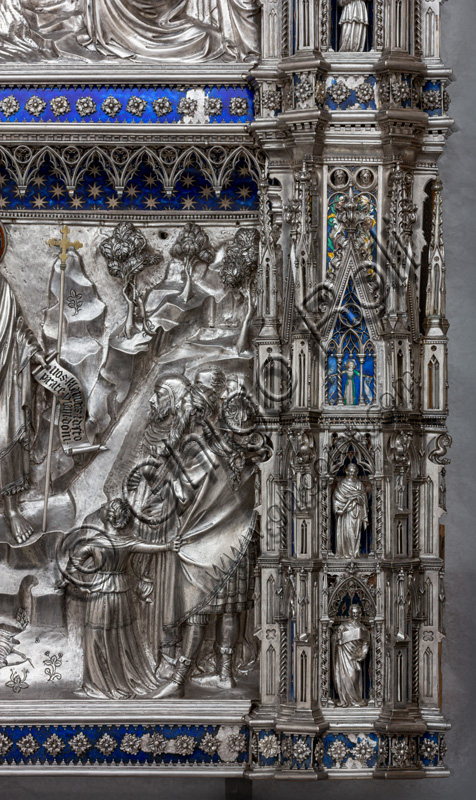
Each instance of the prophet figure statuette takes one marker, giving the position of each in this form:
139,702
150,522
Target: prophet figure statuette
351,510
353,23
351,645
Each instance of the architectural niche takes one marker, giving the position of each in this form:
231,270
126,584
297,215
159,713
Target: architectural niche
223,387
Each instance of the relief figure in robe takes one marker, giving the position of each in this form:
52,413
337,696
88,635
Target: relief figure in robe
354,21
351,643
153,522
350,371
351,510
161,30
117,663
19,352
164,30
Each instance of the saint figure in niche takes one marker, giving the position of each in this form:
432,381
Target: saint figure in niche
350,370
351,510
350,647
353,22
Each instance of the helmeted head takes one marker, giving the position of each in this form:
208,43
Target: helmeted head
212,379
339,177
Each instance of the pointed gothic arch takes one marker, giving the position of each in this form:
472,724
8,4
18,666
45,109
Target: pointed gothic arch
434,383
351,355
430,33
350,590
350,447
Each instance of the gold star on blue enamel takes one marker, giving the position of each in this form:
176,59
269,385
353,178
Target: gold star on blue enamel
150,181
225,202
244,192
150,202
188,180
76,202
207,192
38,181
39,202
132,192
94,191
57,191
188,202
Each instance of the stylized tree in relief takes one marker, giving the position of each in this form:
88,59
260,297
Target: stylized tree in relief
125,254
238,270
192,247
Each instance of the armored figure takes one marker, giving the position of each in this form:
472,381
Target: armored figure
351,645
351,510
211,479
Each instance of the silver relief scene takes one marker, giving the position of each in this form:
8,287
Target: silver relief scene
223,387
96,30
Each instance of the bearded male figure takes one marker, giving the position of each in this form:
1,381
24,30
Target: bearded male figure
19,350
351,644
210,478
351,510
155,523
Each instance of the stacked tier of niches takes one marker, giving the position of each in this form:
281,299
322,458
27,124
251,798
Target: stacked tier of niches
237,208
352,380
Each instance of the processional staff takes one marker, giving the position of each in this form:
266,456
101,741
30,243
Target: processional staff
63,244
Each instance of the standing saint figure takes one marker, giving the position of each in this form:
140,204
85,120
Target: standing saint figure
117,664
351,643
353,22
349,392
18,351
351,510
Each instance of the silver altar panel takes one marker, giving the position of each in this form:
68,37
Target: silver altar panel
223,387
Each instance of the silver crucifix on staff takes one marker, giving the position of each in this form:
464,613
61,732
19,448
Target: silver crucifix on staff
64,244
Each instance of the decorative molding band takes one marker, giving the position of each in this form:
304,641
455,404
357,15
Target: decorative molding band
90,104
174,745
131,179
215,746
